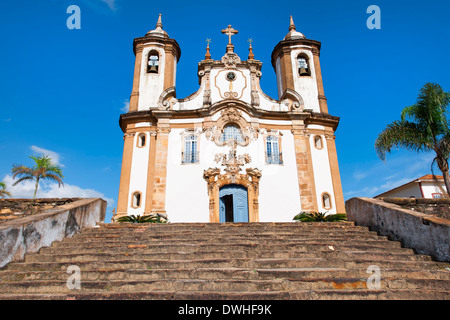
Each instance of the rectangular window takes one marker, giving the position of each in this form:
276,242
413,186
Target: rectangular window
190,154
273,155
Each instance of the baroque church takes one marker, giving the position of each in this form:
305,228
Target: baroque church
228,152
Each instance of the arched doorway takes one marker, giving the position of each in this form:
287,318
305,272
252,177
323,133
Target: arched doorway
233,203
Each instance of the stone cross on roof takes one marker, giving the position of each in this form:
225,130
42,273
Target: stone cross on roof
229,32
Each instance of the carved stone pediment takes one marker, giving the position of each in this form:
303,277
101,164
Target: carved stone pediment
230,60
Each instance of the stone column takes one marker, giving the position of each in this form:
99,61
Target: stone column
308,199
160,171
322,99
150,172
335,175
122,202
134,98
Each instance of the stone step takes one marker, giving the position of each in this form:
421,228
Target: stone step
289,267
236,285
209,253
160,246
130,271
264,295
227,226
326,258
226,237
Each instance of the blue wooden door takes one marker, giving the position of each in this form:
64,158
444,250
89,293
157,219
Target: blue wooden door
233,203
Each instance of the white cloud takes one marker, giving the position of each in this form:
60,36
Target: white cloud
52,154
111,4
51,190
126,106
371,179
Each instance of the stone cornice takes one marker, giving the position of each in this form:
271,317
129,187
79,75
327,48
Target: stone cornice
153,115
175,47
285,45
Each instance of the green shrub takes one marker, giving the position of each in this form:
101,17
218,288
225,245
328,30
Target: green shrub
142,219
320,217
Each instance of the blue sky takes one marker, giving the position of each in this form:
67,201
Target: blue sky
62,90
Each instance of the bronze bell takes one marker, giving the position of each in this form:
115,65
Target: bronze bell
303,72
153,68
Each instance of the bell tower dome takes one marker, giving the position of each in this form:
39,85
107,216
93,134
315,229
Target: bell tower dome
297,66
157,56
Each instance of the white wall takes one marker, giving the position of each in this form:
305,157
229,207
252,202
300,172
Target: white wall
430,187
151,84
187,198
306,86
322,174
138,176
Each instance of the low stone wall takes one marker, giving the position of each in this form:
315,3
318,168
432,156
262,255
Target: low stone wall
436,207
29,234
424,233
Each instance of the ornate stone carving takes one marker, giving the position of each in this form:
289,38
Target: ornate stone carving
167,99
255,98
232,162
207,98
230,60
215,180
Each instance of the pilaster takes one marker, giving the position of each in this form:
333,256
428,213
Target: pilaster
308,199
124,186
335,175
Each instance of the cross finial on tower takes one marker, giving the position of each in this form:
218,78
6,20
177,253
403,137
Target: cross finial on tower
251,56
207,55
229,32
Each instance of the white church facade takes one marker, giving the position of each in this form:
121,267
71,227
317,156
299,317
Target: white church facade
228,152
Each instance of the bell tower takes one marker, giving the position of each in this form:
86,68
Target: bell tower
297,66
155,67
142,179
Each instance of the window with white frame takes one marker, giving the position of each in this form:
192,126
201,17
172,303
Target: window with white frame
232,132
136,200
326,201
273,154
190,153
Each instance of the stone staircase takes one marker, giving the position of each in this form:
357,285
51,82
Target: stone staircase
226,261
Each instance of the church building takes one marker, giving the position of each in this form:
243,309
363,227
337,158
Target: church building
228,152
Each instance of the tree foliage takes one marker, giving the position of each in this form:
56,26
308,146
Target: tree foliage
320,217
43,169
423,127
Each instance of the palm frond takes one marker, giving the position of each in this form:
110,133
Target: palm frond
3,192
403,134
320,217
24,179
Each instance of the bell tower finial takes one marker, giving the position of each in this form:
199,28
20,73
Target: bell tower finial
291,25
159,23
251,56
207,55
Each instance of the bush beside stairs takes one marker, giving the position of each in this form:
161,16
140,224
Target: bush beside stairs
301,261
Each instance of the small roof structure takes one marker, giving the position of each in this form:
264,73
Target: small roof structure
426,178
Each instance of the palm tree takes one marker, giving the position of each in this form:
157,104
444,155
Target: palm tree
423,127
43,169
3,192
